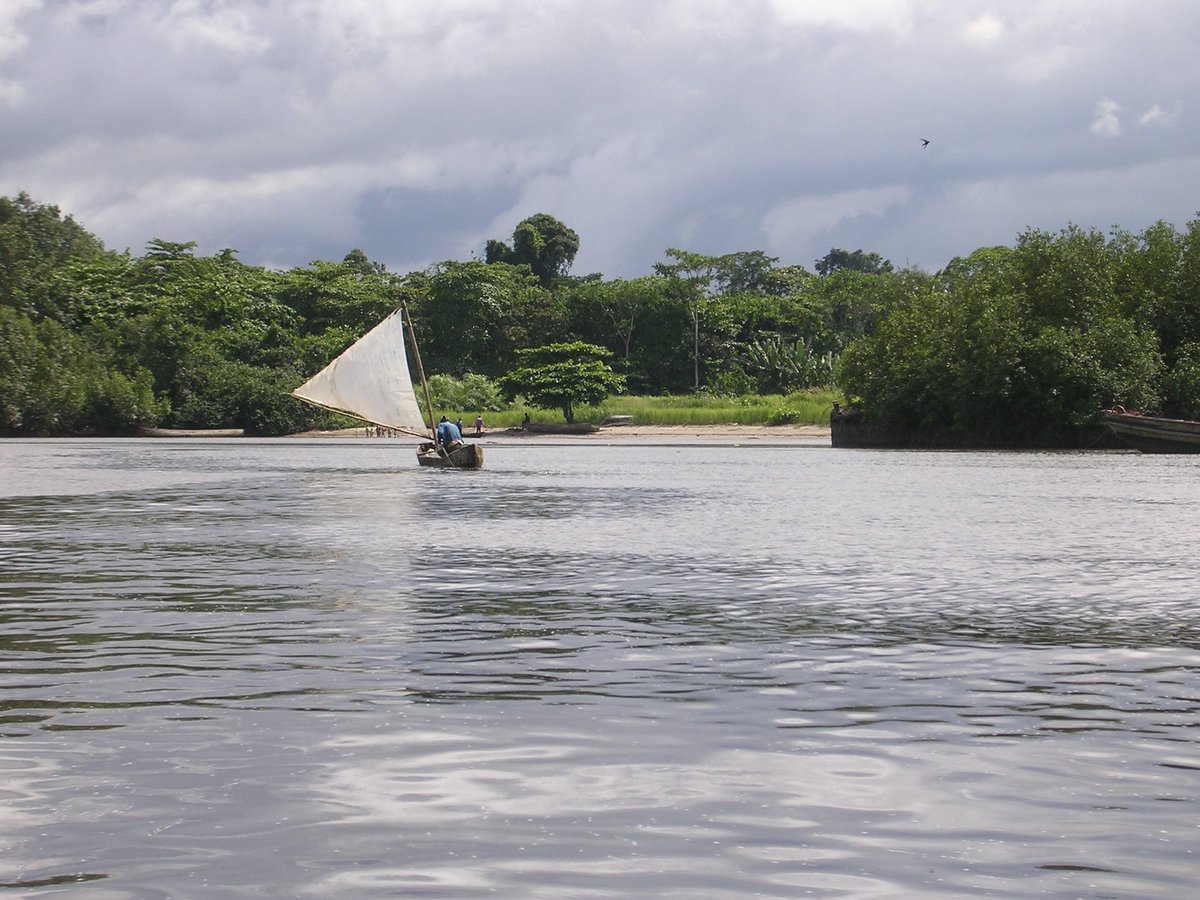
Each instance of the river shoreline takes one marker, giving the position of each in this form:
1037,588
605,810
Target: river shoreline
684,434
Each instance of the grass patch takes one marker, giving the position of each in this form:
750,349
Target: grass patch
810,407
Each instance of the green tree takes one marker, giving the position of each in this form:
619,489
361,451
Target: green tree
359,262
53,383
1005,347
610,313
35,241
1067,278
748,271
542,243
473,317
471,392
327,294
1181,387
848,304
562,376
729,300
692,277
837,260
643,321
22,364
1160,280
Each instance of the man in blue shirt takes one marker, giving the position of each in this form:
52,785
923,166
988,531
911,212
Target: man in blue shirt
448,433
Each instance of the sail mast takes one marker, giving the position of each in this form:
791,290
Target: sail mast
412,340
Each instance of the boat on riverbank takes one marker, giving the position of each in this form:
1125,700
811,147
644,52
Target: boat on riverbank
1153,434
560,428
370,381
148,431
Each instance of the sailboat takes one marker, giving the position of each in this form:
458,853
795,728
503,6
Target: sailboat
370,381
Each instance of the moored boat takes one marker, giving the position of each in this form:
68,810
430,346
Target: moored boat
561,428
1152,434
148,431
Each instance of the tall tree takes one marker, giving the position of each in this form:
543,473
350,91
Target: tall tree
562,376
472,317
541,242
35,241
693,276
837,260
747,271
610,312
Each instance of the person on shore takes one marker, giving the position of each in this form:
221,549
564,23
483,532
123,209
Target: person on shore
478,426
448,434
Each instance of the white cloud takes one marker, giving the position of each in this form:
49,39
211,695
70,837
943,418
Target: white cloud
1041,65
1155,115
862,15
1107,121
12,39
297,129
11,92
90,12
986,29
197,23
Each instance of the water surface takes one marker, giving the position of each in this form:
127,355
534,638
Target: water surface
309,668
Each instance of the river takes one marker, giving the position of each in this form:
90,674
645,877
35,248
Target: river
307,668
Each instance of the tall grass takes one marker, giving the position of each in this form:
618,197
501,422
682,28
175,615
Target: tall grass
809,407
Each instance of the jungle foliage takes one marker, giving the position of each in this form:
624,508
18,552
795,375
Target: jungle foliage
1022,345
1021,340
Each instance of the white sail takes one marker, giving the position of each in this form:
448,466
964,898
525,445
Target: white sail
370,381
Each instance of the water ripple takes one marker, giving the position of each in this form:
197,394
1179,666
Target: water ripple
299,668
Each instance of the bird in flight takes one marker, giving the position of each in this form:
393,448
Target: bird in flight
924,143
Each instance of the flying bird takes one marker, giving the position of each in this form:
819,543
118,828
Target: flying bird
924,143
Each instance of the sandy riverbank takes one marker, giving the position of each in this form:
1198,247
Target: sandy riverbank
799,434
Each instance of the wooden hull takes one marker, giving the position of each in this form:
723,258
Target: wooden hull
561,428
1150,434
147,431
468,456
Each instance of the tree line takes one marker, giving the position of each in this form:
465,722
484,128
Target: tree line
1033,337
1024,345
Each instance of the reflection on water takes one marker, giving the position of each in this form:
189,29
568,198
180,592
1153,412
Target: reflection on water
308,668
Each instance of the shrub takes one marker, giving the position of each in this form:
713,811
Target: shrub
474,393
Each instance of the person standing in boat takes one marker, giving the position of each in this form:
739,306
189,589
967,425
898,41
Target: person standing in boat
449,435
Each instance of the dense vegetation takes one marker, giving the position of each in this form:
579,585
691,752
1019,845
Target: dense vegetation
1024,345
1021,341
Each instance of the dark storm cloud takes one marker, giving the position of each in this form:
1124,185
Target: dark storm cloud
300,129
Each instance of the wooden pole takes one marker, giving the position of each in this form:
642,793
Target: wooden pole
412,340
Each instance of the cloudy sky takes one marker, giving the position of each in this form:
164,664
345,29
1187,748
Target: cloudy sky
294,130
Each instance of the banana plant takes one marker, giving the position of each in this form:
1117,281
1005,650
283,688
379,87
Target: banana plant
782,365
